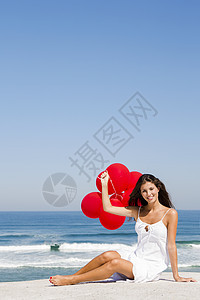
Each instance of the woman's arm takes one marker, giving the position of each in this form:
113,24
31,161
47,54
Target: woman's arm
129,211
172,250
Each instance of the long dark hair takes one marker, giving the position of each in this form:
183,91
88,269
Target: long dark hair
136,198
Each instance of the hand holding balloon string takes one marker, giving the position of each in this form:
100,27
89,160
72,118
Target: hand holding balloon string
104,178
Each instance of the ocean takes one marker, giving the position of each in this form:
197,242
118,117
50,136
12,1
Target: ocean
37,245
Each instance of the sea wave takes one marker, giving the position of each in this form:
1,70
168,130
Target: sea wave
67,247
75,255
87,247
74,262
24,248
194,246
115,234
197,242
186,244
16,235
189,265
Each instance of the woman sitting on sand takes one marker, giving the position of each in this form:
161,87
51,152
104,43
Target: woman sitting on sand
156,224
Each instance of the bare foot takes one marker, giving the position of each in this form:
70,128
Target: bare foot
62,280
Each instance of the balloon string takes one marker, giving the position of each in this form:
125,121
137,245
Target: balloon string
120,196
113,187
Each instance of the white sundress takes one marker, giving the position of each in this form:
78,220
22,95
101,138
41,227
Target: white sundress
151,257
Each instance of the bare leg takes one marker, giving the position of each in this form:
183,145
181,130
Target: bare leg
98,261
103,272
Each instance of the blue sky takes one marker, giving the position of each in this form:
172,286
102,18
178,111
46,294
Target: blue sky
68,66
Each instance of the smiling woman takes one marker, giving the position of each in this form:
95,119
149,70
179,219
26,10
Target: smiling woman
156,224
154,189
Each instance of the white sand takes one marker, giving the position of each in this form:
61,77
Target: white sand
165,288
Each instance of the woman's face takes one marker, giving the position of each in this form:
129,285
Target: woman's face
149,192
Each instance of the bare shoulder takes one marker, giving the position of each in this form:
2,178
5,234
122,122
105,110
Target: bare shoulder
172,215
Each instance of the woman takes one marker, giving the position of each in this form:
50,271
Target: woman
156,224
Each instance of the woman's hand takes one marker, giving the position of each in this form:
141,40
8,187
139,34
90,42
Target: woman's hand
104,178
182,279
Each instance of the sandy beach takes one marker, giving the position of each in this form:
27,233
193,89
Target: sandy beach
165,288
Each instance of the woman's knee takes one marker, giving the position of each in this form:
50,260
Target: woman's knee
114,263
122,266
109,255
